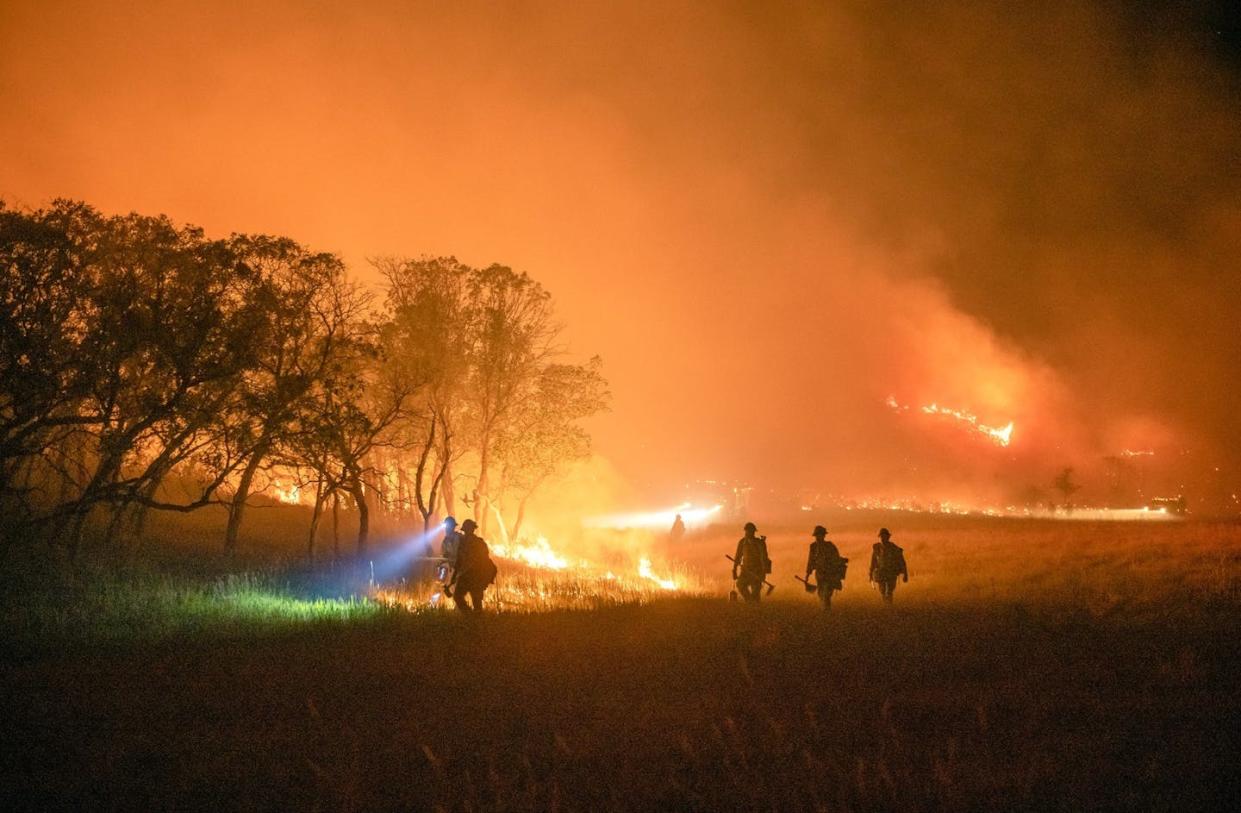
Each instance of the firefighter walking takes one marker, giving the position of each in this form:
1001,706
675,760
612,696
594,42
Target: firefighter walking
474,572
827,565
751,564
887,562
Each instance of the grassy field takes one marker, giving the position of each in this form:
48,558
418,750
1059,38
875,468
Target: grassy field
1027,665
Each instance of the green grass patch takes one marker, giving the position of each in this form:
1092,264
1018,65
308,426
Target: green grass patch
101,603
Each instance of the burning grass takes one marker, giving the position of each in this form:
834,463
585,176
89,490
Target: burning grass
102,600
1025,666
1101,569
526,589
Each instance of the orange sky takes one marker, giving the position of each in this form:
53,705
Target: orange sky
765,222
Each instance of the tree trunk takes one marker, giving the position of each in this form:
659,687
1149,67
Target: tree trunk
336,525
364,516
521,516
425,506
140,518
315,515
107,470
450,496
480,487
237,507
404,504
119,511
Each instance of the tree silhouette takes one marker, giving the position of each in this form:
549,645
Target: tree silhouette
1066,486
146,367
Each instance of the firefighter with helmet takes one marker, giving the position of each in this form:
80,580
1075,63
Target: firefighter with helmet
827,565
887,562
751,564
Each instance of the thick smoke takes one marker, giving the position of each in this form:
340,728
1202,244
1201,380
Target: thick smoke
767,219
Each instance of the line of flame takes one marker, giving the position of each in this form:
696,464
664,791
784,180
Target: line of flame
540,554
1002,435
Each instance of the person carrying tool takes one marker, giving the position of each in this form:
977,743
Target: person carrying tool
887,561
475,571
827,565
751,564
448,549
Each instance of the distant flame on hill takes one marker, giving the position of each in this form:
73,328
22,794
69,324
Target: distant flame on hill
1000,435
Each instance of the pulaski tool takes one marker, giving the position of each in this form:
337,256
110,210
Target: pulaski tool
770,586
810,586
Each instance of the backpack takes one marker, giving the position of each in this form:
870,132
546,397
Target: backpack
827,559
830,566
487,567
890,560
475,565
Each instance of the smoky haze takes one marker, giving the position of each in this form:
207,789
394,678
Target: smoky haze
767,220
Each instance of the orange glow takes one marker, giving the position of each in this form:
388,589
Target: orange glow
1001,435
290,494
539,554
795,219
644,570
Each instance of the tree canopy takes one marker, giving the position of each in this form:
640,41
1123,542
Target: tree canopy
136,354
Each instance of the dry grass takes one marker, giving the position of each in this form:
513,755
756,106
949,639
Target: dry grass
529,590
1096,566
1027,665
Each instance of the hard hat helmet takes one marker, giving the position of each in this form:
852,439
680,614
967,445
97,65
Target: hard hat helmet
819,530
884,533
469,525
450,521
751,527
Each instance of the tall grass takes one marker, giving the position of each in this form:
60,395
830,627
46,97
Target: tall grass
1100,569
1025,666
98,602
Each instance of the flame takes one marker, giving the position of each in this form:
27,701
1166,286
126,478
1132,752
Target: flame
644,570
539,555
290,494
540,577
1001,435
